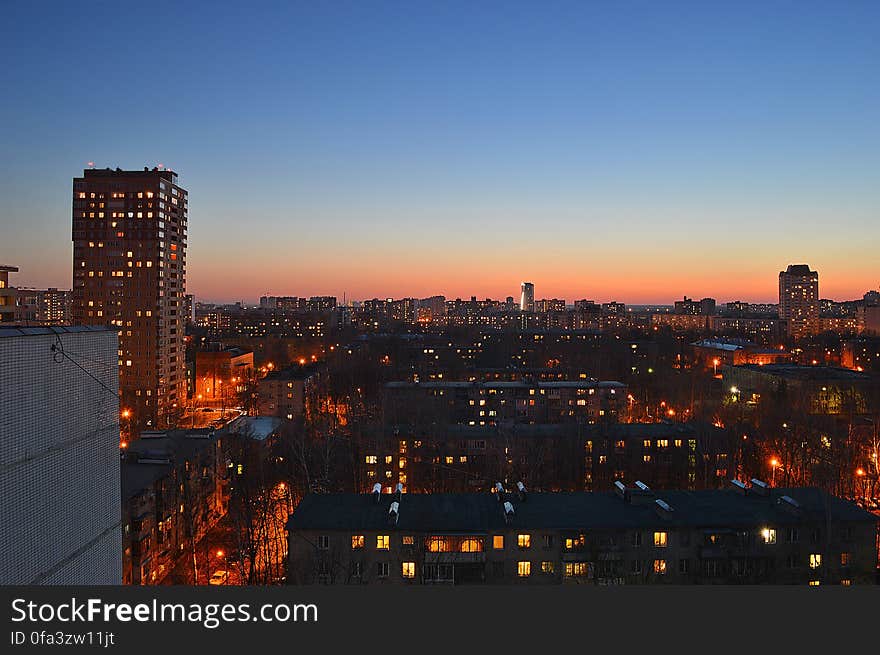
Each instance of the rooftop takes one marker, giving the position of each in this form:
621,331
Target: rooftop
21,331
806,373
482,513
294,372
259,428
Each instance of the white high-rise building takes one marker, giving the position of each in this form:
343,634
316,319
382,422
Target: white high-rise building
527,297
59,456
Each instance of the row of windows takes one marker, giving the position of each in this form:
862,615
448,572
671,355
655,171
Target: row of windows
524,540
576,569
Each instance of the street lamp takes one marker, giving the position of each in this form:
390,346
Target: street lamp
715,363
774,463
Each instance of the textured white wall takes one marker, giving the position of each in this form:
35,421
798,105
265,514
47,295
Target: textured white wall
59,460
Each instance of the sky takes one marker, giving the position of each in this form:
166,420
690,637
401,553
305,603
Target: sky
637,151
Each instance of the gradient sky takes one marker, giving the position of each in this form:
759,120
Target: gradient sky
628,150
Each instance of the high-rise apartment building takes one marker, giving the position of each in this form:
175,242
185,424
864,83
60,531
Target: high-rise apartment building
799,300
129,271
527,297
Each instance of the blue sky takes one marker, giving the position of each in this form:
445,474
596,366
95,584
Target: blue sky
634,150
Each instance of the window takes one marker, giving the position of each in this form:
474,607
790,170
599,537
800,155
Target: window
382,542
524,540
382,569
845,559
793,535
636,538
523,569
548,541
547,567
683,566
660,566
815,560
814,583
769,536
846,582
323,542
575,569
575,542
637,566
498,542
356,569
408,540
357,541
661,539
408,569
369,459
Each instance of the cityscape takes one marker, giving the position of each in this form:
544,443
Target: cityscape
507,324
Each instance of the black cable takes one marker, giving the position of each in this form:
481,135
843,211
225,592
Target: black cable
59,355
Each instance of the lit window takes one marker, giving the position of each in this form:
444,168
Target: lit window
371,459
408,569
408,540
524,540
382,542
498,542
768,535
546,567
846,582
845,559
814,583
523,569
357,541
815,560
660,566
661,539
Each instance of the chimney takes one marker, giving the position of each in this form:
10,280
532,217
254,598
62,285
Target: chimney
760,488
499,491
740,487
620,489
508,511
398,492
521,492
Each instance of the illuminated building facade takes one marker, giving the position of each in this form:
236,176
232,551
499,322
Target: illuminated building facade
527,297
799,300
743,535
129,271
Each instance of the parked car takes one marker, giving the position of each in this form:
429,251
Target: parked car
219,577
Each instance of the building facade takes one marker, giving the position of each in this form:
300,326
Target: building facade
799,300
43,306
59,457
527,297
7,295
754,535
222,374
129,272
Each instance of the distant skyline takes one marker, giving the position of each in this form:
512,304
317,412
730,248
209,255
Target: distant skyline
634,151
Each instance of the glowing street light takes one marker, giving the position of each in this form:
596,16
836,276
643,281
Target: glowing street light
774,463
126,413
715,363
